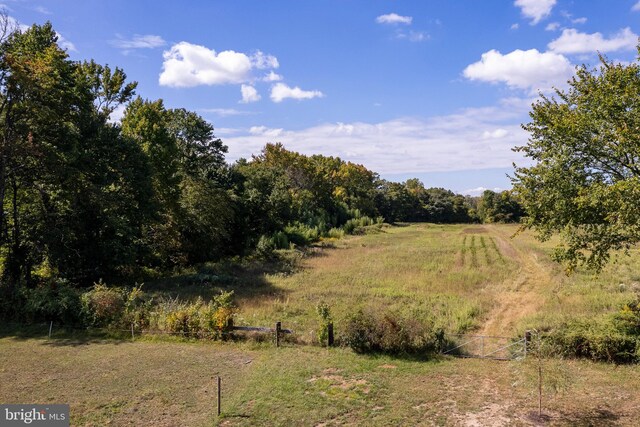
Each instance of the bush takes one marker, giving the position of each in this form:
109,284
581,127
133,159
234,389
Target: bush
324,312
390,333
357,225
115,307
197,319
335,233
302,234
265,247
280,240
596,340
52,301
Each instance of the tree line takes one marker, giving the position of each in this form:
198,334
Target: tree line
86,199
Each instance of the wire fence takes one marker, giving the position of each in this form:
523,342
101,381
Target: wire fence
487,346
458,345
51,329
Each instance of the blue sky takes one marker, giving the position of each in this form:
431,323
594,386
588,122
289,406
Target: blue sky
429,89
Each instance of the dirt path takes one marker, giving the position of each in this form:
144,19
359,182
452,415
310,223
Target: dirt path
518,296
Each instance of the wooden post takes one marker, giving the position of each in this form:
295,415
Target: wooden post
278,328
219,388
50,328
527,339
132,336
330,334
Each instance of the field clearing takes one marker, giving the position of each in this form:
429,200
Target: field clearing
470,278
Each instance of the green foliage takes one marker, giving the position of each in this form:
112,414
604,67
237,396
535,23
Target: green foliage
368,332
265,247
499,207
585,183
302,234
335,233
54,301
411,201
356,225
197,319
610,338
324,312
113,307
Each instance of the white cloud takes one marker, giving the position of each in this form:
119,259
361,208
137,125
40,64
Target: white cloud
272,77
479,190
522,69
582,20
552,26
406,145
265,131
262,61
138,41
249,94
535,9
414,36
281,91
226,112
515,26
227,131
42,9
188,65
495,134
394,18
117,114
636,7
65,44
571,41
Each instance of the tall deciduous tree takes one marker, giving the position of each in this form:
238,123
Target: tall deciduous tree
585,183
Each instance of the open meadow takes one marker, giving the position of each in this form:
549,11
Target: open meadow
466,278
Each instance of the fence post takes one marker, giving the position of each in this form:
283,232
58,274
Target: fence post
132,336
278,328
50,328
219,388
482,346
527,338
330,334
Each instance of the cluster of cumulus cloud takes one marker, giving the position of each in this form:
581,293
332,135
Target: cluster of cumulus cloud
532,70
188,65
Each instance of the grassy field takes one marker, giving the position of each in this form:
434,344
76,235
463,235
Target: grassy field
472,278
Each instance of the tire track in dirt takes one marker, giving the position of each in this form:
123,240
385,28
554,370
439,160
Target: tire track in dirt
519,295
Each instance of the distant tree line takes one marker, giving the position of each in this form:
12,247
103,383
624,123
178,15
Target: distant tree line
86,199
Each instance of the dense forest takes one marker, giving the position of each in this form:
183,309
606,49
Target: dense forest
85,198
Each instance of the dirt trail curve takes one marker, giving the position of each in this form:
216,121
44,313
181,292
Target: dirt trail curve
519,295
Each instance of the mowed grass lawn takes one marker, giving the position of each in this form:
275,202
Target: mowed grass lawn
469,278
147,383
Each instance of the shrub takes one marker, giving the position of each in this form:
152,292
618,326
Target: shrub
265,247
357,225
596,340
102,305
114,307
280,240
335,233
198,319
324,312
302,234
390,333
52,301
